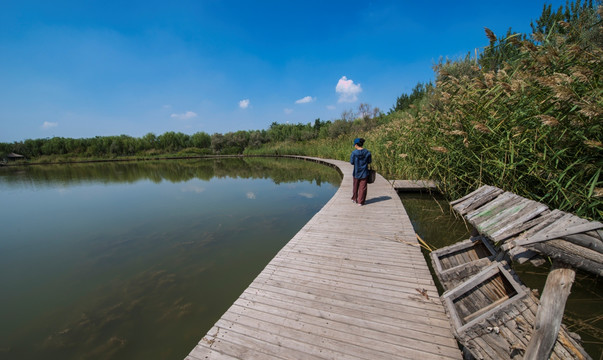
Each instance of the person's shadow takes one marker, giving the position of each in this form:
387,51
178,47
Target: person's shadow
377,199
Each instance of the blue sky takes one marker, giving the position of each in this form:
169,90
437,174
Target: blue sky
87,68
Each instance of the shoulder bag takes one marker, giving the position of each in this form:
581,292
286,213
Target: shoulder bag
372,175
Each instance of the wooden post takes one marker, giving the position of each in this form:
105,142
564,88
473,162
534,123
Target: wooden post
550,312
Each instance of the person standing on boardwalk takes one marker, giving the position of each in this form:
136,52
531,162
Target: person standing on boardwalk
360,158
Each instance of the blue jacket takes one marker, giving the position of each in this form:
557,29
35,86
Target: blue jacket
360,159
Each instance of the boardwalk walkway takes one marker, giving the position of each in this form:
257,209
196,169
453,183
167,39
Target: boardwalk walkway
347,286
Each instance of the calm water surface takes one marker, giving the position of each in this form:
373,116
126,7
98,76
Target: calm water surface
138,260
434,221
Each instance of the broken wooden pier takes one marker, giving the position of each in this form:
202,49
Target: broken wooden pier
494,316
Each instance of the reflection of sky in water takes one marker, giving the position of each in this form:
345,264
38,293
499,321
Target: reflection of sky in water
98,269
193,188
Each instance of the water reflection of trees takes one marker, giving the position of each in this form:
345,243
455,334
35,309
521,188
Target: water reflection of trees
280,170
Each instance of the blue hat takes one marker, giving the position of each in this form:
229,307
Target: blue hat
356,141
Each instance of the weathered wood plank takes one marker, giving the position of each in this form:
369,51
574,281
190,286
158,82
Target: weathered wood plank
577,256
561,233
382,315
352,273
491,209
414,185
479,196
355,293
586,241
511,225
336,326
550,312
369,306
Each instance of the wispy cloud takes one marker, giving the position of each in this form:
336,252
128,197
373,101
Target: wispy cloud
288,111
49,125
305,100
244,104
331,107
347,90
250,195
307,195
184,116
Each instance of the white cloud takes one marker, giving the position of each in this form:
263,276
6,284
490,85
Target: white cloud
331,107
250,195
288,111
305,100
185,116
347,90
49,125
307,195
244,104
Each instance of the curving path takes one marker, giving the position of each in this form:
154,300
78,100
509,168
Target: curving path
351,284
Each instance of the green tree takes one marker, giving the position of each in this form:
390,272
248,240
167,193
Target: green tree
404,101
201,140
217,143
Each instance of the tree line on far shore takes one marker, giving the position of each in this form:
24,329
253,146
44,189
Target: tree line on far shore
200,143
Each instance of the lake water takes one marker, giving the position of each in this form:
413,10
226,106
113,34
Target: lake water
435,222
136,260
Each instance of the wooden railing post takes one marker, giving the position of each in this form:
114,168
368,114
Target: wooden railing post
550,312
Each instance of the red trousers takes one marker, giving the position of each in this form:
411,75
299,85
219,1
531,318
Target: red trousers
359,190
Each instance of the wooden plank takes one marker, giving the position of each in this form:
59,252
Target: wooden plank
476,203
577,256
414,185
532,223
368,306
470,195
499,307
500,196
452,248
491,209
470,283
512,225
328,289
499,214
316,305
550,312
560,233
378,277
326,278
473,196
352,283
586,241
375,279
334,325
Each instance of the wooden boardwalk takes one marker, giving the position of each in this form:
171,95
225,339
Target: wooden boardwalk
351,284
414,185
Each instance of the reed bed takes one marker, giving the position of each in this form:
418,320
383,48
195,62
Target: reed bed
533,128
